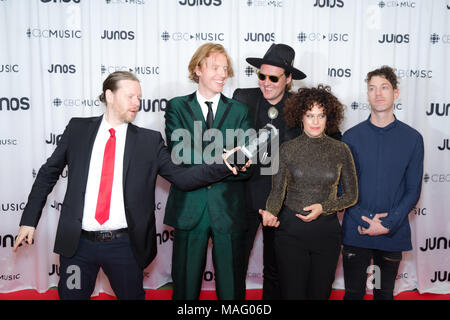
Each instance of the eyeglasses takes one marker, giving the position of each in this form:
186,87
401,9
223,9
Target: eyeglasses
263,77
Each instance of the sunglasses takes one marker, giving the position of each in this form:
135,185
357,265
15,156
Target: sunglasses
263,77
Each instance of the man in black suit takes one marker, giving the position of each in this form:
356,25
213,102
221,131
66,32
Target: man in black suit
266,103
107,218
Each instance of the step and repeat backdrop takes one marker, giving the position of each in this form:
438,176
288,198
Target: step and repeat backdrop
55,55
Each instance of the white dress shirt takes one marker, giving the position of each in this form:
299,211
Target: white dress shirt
215,102
117,219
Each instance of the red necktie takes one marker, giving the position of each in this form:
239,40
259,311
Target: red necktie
106,180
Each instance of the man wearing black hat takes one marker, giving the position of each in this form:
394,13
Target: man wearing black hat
266,103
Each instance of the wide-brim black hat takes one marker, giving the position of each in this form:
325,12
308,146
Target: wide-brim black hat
279,55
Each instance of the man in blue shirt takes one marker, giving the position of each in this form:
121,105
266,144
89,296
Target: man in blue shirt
388,157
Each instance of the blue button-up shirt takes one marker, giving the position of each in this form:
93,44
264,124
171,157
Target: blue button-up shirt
389,165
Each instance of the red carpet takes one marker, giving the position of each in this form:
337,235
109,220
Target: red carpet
254,294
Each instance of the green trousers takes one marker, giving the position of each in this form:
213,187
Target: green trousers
189,260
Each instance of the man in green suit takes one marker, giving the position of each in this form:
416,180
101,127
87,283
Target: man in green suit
216,211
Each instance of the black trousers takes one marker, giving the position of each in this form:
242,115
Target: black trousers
271,286
78,274
356,261
307,254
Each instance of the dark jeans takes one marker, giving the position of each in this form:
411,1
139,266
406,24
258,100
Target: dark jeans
78,274
271,286
357,260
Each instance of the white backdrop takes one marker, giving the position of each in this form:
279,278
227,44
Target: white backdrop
55,55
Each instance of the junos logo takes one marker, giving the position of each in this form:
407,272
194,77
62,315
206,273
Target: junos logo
260,37
53,139
441,276
394,38
339,72
117,35
64,68
436,244
439,109
445,145
14,104
155,105
164,236
193,3
329,3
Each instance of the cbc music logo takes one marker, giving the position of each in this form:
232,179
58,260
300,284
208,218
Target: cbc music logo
397,4
13,207
394,38
139,70
317,36
260,37
249,71
365,106
117,35
420,211
8,142
14,103
130,2
436,178
329,3
68,102
198,36
194,3
436,38
414,73
265,3
53,33
9,68
438,109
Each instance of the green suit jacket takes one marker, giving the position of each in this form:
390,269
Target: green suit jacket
225,200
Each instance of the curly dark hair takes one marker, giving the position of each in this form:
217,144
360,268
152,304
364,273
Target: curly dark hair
304,99
385,72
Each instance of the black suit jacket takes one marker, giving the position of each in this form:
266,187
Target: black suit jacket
145,156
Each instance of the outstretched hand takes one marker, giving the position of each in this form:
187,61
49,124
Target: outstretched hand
25,233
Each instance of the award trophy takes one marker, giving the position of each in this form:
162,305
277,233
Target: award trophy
257,143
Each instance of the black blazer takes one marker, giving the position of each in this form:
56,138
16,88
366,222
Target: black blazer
145,156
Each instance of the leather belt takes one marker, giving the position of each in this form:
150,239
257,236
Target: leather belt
103,236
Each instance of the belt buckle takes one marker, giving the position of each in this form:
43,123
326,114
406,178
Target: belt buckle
105,236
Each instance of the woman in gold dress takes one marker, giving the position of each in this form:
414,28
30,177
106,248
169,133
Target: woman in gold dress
304,199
